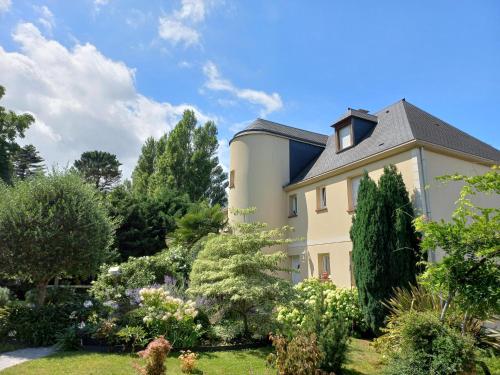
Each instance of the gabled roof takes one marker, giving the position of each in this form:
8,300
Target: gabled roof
398,124
297,134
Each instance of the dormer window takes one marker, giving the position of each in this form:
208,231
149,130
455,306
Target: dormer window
345,137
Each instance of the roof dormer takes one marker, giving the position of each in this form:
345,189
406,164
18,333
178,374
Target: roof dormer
352,127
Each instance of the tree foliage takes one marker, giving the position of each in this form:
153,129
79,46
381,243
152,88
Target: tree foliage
234,272
384,243
52,226
141,176
144,220
468,275
189,162
99,168
27,162
12,126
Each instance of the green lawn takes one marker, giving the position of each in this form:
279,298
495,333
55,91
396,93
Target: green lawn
363,360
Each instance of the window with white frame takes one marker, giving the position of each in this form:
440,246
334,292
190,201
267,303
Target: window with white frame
345,139
321,198
324,265
355,181
292,205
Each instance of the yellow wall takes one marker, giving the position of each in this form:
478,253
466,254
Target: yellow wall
261,165
328,232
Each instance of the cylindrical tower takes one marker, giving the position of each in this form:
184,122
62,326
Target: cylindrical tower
259,168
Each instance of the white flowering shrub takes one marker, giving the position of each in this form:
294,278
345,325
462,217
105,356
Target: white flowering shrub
168,316
300,313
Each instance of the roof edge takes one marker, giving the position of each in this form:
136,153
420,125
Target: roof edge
256,131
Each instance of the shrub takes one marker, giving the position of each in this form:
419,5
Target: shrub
155,354
418,343
298,314
188,361
170,316
298,356
118,285
4,296
69,339
333,341
132,337
40,325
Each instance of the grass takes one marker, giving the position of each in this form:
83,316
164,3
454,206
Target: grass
363,360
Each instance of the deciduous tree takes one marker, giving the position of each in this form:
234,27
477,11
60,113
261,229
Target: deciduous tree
52,226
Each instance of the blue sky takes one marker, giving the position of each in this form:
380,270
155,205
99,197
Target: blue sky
105,74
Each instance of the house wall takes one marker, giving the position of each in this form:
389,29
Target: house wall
327,232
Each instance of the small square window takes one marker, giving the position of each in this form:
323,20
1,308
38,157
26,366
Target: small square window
231,179
292,205
344,137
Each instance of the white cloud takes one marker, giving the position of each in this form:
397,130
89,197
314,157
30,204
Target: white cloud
81,100
269,102
46,19
175,31
180,25
5,5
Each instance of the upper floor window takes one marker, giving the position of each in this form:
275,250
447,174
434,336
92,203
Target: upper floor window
292,205
321,198
355,181
231,179
345,137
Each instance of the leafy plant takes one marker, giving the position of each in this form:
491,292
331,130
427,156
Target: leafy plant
298,356
419,343
333,342
69,339
188,361
155,354
132,337
240,279
4,296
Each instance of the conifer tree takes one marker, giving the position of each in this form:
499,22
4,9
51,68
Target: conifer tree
27,162
369,232
402,241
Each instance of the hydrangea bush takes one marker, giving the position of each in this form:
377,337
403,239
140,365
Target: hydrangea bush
297,315
170,316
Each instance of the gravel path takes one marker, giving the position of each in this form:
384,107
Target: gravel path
10,359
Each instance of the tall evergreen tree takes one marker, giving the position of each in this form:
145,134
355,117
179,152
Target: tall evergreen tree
145,166
99,168
12,126
369,232
402,242
27,162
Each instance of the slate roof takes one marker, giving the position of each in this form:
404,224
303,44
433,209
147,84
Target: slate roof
397,124
285,131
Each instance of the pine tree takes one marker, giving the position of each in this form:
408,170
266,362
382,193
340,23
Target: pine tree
369,232
402,242
27,162
100,168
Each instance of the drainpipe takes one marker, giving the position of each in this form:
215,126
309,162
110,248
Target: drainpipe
425,196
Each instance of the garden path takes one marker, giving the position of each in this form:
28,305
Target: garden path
15,357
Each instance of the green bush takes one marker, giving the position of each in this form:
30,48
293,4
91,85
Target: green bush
4,296
419,343
298,313
69,339
333,342
132,337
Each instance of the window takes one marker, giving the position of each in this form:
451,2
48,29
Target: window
355,181
324,266
292,205
231,179
321,198
344,137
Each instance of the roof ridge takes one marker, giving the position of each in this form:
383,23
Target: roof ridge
288,126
